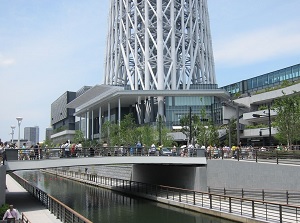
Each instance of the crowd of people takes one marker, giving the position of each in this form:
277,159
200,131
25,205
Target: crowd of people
69,149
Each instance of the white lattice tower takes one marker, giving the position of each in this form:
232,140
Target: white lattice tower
159,44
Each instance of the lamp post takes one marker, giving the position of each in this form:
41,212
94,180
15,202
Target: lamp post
269,122
190,127
12,133
229,131
19,119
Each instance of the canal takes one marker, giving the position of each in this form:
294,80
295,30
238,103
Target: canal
106,206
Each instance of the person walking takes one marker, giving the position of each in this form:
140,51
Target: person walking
11,215
67,148
37,151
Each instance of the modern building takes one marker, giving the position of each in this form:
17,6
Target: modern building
264,82
62,118
32,134
253,99
159,61
48,133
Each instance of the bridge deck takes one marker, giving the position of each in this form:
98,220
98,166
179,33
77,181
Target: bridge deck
85,161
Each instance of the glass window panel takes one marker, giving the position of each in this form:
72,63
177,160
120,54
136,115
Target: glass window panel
288,73
295,71
276,76
254,82
271,78
282,75
249,83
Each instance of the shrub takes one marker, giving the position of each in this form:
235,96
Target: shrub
3,209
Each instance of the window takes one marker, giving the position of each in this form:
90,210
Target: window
295,71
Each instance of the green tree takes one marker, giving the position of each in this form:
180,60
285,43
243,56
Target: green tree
105,132
213,135
287,120
127,130
195,123
231,126
125,133
167,140
146,135
202,133
79,136
49,143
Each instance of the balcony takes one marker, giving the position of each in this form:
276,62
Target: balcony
250,133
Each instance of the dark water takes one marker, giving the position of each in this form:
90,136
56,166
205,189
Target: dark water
102,205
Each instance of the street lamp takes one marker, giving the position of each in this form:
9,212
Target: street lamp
190,126
12,133
229,131
269,122
19,119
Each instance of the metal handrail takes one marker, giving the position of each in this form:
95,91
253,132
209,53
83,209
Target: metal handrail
60,210
25,219
270,155
50,153
283,196
244,207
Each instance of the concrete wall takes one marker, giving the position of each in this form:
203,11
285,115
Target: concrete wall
114,171
188,177
241,174
2,184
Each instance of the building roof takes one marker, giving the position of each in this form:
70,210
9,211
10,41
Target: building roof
101,95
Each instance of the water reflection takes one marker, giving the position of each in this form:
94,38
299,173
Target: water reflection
102,205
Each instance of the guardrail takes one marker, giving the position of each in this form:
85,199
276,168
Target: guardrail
269,155
50,153
59,209
233,205
287,197
24,219
259,156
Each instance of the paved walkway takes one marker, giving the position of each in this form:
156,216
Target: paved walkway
27,204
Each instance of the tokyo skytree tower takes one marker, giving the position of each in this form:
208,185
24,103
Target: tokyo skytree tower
159,44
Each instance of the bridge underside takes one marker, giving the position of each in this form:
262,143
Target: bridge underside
191,177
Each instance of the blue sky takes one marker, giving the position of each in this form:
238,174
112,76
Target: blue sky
48,47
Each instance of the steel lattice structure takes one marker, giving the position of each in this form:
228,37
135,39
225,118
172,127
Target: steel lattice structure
159,44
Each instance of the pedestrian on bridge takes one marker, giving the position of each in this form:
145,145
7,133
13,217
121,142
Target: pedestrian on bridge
37,151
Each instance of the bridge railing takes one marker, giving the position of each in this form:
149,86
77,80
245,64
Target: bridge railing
24,219
241,206
257,155
59,209
51,153
270,155
282,196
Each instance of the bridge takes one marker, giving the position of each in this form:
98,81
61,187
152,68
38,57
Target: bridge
165,168
14,165
22,159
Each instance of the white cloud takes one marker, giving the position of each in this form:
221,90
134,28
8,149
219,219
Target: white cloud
259,45
6,61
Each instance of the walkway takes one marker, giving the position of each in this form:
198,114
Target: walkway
25,203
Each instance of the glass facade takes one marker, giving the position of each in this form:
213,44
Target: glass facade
265,81
178,107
